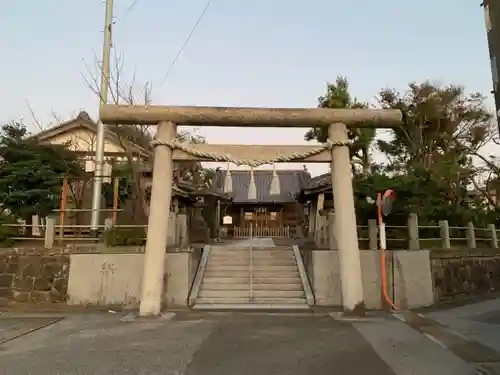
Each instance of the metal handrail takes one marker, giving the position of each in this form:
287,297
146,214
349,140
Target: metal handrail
250,248
195,288
303,276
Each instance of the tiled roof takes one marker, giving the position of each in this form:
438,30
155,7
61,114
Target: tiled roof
320,181
291,183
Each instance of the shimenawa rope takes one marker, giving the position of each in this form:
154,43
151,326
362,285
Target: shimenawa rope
248,162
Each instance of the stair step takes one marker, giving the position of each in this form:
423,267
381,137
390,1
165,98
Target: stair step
265,248
246,263
254,251
255,267
255,259
260,273
204,293
275,283
238,280
246,256
250,306
295,286
273,300
255,255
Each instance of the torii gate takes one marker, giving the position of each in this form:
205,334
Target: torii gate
336,152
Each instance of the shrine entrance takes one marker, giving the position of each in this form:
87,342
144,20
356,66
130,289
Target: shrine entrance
167,150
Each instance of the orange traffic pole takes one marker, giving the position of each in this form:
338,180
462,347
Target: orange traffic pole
383,248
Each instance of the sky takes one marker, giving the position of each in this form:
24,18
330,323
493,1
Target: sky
270,53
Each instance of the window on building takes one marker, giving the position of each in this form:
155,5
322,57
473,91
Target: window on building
248,215
487,18
494,72
273,215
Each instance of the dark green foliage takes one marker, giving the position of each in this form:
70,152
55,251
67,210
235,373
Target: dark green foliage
125,186
416,193
337,96
124,237
31,173
431,160
8,232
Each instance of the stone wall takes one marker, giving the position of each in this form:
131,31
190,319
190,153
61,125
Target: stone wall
459,273
28,277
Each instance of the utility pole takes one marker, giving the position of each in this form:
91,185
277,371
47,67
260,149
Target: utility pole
99,152
491,21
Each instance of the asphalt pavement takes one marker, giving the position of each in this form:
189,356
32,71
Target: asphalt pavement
195,343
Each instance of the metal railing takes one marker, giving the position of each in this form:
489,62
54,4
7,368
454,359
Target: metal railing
250,254
66,232
412,235
440,235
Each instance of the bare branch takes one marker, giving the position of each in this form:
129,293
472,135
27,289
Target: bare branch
38,123
56,117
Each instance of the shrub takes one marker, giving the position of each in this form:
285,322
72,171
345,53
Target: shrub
7,232
124,237
6,235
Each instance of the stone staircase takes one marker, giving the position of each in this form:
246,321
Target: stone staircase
265,278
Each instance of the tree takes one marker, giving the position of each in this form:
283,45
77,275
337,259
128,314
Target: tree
31,173
338,96
432,159
440,121
486,182
131,136
444,129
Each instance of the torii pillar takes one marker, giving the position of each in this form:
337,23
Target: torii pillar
346,233
159,212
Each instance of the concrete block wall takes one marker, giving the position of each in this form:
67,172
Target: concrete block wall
116,279
410,284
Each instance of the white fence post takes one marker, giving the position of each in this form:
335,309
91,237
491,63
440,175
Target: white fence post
471,235
445,234
493,234
49,233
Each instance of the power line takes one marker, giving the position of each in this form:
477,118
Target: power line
127,11
186,41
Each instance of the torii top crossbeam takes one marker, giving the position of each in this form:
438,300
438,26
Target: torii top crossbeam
248,116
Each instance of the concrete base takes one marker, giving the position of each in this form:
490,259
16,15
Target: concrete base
115,279
133,317
105,279
324,275
180,272
412,278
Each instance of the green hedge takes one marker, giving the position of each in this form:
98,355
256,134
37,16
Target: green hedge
125,237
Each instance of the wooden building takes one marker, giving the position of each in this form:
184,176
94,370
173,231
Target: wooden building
317,197
268,213
80,135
